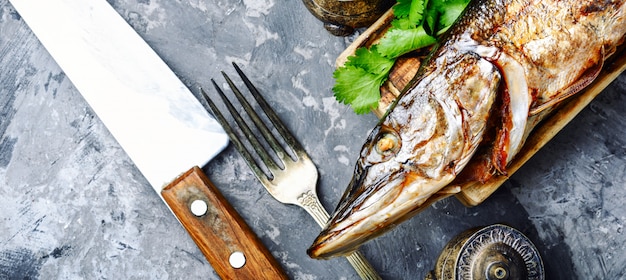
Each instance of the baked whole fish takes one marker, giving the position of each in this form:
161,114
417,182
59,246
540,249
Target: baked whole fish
466,113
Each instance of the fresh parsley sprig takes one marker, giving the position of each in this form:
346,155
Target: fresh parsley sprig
416,24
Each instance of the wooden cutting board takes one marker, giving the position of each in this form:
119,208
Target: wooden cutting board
546,124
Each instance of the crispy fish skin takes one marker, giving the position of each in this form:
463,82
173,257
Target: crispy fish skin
523,55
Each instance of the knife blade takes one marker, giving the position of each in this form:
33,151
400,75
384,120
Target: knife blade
156,120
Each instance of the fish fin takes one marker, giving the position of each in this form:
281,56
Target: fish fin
479,169
586,79
449,189
499,151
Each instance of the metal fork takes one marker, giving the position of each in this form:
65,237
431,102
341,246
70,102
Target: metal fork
291,180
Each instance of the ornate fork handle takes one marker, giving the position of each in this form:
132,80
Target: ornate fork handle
311,203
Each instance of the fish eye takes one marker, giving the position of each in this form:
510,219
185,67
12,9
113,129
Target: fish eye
386,145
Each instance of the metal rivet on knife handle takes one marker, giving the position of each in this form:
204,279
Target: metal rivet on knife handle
218,230
198,207
237,259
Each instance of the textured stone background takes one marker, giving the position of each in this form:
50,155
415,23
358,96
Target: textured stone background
74,206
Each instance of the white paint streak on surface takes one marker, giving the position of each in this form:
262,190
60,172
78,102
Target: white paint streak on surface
309,101
307,53
199,5
341,148
258,8
297,82
255,10
331,109
284,260
261,34
341,151
305,276
343,160
273,234
156,16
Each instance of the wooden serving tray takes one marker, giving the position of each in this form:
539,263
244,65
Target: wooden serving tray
546,124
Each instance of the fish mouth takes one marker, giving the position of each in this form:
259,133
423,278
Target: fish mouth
356,221
371,208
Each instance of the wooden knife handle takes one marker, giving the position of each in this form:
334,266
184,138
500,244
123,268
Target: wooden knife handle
218,230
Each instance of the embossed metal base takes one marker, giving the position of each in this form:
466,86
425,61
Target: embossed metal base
495,252
340,18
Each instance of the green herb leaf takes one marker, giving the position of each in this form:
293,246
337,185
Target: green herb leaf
358,82
356,87
444,13
402,8
398,42
451,11
401,23
431,19
417,11
370,60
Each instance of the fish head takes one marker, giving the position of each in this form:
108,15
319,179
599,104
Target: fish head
411,156
387,186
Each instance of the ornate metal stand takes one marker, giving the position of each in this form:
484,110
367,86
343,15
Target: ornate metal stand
495,252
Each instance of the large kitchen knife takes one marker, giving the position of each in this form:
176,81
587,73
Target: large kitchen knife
157,121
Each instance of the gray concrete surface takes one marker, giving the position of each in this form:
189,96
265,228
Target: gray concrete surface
73,206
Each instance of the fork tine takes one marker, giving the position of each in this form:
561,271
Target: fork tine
256,145
278,124
265,131
231,133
